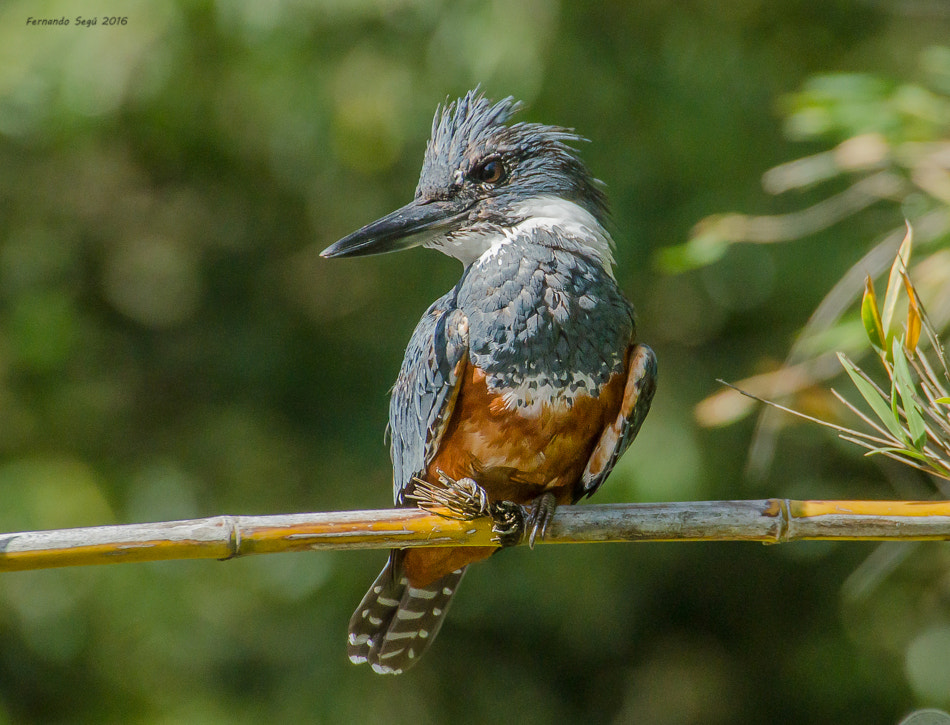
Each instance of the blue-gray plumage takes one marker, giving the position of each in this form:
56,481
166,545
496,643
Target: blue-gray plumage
425,389
523,307
526,376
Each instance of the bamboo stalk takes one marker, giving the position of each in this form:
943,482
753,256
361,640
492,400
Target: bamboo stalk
770,521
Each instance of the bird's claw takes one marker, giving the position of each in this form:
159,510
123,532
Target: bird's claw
465,500
461,499
540,515
508,522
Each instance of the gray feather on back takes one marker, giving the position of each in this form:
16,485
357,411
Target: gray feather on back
425,390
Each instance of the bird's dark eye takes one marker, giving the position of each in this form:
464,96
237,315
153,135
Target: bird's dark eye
491,171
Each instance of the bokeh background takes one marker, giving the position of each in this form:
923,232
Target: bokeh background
172,346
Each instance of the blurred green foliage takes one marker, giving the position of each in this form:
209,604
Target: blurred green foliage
171,346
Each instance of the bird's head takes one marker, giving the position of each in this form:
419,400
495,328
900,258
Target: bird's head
480,179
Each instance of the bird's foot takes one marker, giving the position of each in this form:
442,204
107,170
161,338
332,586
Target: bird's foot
461,499
539,516
508,522
465,500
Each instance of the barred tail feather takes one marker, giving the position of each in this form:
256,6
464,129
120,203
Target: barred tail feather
396,622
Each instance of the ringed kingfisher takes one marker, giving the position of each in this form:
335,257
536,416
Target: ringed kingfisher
525,377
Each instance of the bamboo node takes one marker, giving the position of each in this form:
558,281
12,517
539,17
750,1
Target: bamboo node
233,528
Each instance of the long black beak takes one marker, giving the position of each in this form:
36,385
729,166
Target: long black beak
412,225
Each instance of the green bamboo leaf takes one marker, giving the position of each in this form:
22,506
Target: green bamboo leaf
944,401
908,452
904,384
870,317
914,316
881,409
894,283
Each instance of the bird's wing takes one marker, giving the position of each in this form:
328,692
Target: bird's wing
425,391
637,396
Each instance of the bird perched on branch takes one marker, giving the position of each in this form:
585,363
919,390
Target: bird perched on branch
526,376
